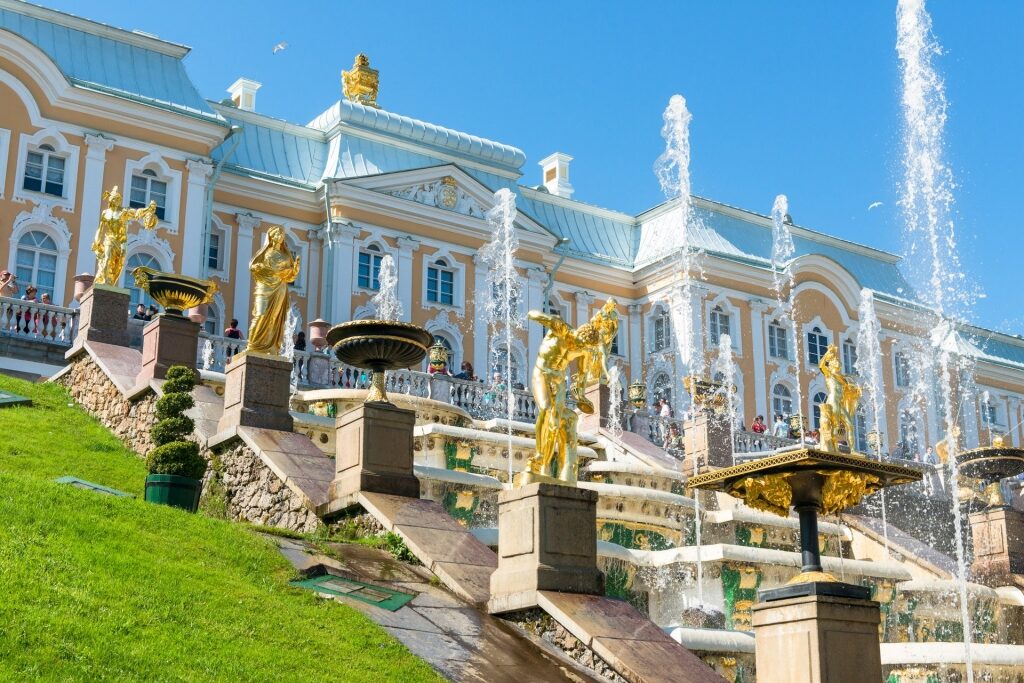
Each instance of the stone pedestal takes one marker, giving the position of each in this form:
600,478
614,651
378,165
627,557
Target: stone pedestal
547,540
998,536
817,639
167,340
103,317
707,440
601,396
374,453
257,390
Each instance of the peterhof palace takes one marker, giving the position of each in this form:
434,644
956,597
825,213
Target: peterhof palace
86,106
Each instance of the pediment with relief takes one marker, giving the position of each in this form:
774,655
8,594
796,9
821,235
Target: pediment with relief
443,193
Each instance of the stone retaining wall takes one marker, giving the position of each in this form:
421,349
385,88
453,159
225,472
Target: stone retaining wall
540,624
130,421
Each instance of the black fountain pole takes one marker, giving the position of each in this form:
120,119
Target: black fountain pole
810,549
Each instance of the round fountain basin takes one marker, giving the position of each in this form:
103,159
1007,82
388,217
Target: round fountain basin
991,464
379,344
175,293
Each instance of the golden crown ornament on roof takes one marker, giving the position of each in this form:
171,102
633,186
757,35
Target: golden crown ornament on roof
360,84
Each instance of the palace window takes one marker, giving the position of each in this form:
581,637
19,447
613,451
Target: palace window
661,335
552,308
817,345
902,369
849,357
989,413
907,446
36,262
782,400
500,368
44,171
441,283
719,324
819,398
212,323
860,430
663,388
615,344
138,296
145,189
369,267
213,251
778,341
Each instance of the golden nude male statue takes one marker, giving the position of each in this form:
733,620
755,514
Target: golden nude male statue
590,345
838,412
273,268
112,236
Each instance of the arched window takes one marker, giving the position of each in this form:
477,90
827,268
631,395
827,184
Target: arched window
661,330
552,308
663,387
128,281
816,402
36,262
44,171
212,324
849,357
441,283
718,324
499,365
817,345
860,430
368,275
778,340
145,189
446,343
216,249
907,446
782,400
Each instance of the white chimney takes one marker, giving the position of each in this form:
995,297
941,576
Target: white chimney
243,93
556,174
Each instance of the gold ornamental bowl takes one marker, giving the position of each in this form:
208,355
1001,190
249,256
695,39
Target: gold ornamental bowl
985,467
175,293
438,357
379,345
638,394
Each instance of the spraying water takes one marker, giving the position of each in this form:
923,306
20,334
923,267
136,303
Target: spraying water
869,367
291,323
386,299
926,202
783,250
725,372
615,405
502,306
673,171
208,355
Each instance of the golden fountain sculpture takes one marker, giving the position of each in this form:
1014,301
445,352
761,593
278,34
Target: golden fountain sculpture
112,236
273,268
555,460
812,480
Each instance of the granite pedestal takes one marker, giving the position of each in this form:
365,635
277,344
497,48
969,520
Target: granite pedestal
547,541
374,453
707,440
103,317
998,536
167,340
257,391
817,639
600,396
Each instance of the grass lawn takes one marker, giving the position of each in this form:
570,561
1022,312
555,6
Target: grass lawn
104,588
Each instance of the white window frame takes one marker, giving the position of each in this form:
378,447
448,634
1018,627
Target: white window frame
37,250
735,322
849,347
816,416
775,326
32,143
40,218
789,398
224,232
717,319
458,270
897,354
5,146
299,248
824,331
164,173
660,313
382,251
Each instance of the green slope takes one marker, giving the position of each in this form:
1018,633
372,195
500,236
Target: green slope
102,588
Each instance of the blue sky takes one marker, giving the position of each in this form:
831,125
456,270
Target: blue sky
793,97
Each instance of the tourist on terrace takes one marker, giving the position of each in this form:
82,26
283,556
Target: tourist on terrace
8,283
758,426
140,312
232,331
300,341
780,428
466,371
152,311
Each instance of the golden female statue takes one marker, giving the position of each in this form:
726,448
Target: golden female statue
273,268
590,344
839,411
112,236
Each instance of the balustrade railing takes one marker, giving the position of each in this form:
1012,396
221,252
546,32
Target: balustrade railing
36,321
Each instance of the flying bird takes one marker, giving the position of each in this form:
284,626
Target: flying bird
280,46
874,205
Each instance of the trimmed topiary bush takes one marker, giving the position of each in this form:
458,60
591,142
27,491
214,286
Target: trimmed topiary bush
174,453
177,457
170,405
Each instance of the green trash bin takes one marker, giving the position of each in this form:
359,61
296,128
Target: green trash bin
170,489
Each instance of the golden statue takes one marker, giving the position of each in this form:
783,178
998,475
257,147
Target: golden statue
360,84
948,445
112,236
589,344
273,268
838,413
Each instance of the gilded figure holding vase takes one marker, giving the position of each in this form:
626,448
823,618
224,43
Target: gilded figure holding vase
273,268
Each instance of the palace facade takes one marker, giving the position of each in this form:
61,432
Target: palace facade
85,106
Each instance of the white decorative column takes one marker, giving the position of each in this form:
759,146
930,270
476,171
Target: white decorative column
312,266
343,238
969,409
243,254
583,301
1013,420
757,331
92,195
194,229
406,246
636,364
480,331
536,279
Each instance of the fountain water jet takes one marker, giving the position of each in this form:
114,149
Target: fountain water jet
385,301
783,250
615,404
725,372
869,367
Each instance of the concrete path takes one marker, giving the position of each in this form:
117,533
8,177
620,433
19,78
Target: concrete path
457,640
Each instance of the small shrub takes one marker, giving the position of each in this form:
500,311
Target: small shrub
179,379
170,405
171,429
177,457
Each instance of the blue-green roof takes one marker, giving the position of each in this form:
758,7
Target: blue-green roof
98,61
